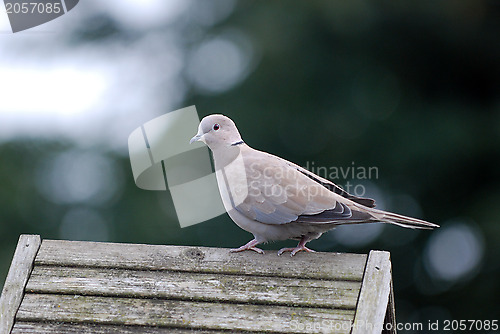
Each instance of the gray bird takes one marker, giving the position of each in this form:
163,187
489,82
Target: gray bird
275,199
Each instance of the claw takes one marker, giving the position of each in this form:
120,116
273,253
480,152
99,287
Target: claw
295,250
244,248
300,247
249,246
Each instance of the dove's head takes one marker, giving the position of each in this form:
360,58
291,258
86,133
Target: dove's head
217,131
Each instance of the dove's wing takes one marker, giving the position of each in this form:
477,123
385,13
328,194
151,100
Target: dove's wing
368,202
280,192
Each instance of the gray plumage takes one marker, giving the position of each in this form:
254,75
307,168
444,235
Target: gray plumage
275,199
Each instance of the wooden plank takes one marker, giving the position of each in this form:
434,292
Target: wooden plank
194,286
66,328
374,294
390,315
19,271
183,314
201,259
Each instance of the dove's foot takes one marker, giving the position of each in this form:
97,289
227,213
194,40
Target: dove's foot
295,250
300,247
244,248
249,246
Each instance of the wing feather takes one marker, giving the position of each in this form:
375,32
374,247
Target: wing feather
280,193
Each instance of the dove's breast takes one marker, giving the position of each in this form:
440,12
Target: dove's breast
233,183
233,188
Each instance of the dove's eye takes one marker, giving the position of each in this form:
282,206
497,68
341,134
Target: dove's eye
216,127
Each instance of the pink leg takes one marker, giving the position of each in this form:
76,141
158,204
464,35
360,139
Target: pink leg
249,246
300,247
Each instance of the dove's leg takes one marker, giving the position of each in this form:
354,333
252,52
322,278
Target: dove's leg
300,247
249,246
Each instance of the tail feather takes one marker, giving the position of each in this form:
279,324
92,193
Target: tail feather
397,219
408,222
360,214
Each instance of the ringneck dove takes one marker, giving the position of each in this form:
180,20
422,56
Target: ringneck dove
275,199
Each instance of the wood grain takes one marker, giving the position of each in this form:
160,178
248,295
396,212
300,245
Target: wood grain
319,265
181,314
374,296
22,327
194,286
93,287
19,271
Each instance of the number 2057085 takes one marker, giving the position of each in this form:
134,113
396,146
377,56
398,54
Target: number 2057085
470,325
33,8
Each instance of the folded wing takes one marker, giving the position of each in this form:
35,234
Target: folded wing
280,192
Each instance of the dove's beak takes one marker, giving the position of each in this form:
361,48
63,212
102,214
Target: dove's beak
195,138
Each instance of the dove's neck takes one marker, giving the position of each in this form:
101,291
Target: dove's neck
223,156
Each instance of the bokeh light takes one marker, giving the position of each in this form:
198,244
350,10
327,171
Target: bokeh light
79,177
357,235
221,62
84,224
454,252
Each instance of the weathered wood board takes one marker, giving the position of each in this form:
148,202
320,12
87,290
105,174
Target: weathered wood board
194,286
374,298
89,287
19,271
201,259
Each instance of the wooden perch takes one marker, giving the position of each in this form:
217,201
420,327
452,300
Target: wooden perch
90,287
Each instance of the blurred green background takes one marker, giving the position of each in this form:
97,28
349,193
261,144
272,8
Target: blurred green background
410,88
